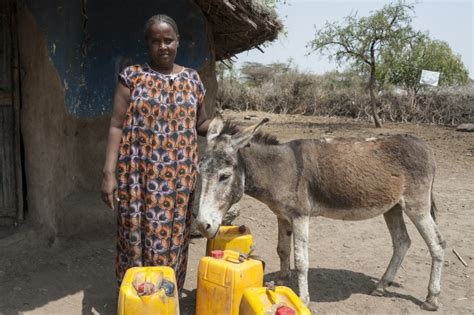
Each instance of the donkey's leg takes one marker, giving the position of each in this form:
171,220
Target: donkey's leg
300,239
284,248
436,244
400,241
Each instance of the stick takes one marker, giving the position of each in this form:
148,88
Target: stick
403,267
459,257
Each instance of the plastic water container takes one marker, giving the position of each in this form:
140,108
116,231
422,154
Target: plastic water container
280,301
222,279
148,290
237,238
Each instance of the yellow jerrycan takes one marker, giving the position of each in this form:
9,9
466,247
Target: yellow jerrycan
222,279
237,238
148,290
272,300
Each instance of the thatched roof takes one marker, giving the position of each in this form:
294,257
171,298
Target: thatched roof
239,25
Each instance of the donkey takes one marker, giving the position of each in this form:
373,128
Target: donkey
340,178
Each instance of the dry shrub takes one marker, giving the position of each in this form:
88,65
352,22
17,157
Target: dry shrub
230,94
343,94
444,107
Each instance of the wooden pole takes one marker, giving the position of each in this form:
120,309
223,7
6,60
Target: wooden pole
16,101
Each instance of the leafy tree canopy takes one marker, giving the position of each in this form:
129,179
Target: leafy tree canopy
360,40
403,67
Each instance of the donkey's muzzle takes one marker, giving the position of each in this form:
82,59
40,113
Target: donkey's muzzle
208,229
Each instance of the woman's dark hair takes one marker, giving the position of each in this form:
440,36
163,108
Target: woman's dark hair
155,19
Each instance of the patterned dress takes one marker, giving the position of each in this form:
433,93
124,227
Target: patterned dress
156,169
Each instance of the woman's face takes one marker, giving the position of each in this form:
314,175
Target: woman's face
162,43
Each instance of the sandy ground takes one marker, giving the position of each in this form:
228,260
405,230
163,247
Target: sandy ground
75,275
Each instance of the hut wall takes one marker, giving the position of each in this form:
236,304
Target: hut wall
46,129
68,77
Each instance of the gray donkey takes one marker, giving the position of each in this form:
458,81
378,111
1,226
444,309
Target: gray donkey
340,178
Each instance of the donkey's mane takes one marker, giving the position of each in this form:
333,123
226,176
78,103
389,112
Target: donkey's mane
230,128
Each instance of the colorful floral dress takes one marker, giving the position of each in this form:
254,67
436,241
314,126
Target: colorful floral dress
156,169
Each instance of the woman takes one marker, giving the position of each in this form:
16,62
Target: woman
158,108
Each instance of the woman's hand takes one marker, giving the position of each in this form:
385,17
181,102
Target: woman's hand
109,190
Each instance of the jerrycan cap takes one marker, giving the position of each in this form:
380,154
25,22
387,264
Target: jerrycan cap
218,254
285,310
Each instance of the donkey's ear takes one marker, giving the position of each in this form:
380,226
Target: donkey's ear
242,138
215,127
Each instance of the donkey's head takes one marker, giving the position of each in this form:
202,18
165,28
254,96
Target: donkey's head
222,173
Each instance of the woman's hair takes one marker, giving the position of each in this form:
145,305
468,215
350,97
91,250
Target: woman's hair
155,19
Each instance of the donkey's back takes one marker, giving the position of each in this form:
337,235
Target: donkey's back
356,179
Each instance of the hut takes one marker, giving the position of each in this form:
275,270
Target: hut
60,61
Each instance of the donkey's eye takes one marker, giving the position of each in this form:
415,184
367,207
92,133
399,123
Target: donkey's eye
223,177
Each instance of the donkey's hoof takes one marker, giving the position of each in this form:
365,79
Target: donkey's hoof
378,292
427,306
431,304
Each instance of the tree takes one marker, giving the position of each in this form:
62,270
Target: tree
403,68
255,73
359,40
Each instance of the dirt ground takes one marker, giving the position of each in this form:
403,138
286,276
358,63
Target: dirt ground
75,275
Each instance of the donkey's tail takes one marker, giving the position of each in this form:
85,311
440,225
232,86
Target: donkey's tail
434,209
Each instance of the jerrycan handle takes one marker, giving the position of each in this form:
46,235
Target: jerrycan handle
270,291
234,257
254,257
242,229
230,256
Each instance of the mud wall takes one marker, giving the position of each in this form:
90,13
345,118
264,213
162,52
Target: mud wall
46,129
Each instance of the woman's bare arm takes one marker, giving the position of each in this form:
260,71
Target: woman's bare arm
120,104
202,121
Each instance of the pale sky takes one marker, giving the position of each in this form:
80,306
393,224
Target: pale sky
450,21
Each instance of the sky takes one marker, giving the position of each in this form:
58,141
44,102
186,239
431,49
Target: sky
450,21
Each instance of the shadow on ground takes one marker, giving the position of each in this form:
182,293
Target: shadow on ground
35,275
333,285
187,303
